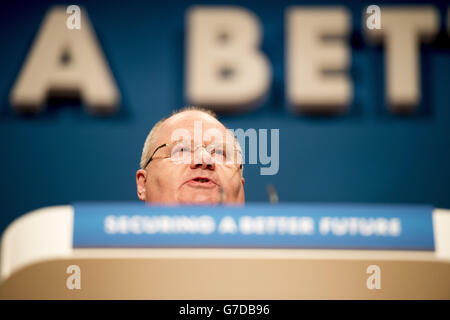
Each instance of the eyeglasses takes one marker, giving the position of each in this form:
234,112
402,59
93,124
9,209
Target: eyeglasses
185,151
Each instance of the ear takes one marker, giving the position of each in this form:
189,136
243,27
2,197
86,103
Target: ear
243,181
141,180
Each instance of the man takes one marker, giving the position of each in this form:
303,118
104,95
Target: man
191,158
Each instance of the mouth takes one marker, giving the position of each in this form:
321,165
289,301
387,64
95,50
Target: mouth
202,182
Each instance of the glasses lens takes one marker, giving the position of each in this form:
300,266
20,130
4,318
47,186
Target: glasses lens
185,152
180,151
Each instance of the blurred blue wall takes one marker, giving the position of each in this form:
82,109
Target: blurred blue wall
368,155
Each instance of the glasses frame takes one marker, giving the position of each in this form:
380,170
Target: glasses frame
165,145
151,158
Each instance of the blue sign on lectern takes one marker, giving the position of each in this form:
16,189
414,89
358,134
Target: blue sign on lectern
331,226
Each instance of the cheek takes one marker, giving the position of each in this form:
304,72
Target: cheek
231,180
164,179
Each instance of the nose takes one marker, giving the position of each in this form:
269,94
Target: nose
203,159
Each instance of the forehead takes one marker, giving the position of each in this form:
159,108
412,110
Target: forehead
186,120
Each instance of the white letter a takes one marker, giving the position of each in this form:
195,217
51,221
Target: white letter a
74,280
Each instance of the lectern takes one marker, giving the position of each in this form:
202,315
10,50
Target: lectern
291,251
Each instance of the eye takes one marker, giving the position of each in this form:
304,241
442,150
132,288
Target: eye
219,151
181,149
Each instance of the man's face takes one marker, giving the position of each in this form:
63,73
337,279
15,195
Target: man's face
201,180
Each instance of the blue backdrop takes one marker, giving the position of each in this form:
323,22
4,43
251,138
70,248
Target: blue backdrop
367,155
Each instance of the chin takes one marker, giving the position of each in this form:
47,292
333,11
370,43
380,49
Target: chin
200,199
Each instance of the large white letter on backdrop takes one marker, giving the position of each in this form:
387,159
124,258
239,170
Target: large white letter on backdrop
224,67
65,60
318,59
402,30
